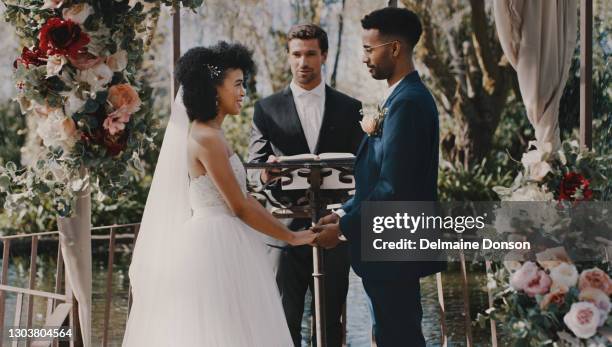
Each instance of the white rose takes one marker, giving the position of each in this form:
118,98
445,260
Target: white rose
55,63
97,77
78,13
55,132
531,192
118,61
564,274
38,110
73,104
599,299
582,319
52,4
535,164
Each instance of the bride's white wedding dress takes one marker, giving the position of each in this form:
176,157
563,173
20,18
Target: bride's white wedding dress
217,288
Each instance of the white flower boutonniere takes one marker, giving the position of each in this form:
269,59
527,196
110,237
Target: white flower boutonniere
372,120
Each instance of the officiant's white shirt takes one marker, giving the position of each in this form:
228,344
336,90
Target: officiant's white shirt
310,105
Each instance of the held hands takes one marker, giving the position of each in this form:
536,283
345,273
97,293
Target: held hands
304,237
328,231
270,174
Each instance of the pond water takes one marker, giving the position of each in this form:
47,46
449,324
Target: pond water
358,311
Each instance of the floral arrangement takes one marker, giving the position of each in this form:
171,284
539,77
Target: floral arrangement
372,120
545,298
77,78
568,174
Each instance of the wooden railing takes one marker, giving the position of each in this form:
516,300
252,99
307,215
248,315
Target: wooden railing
61,303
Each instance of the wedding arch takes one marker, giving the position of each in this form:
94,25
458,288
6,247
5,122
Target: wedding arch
78,80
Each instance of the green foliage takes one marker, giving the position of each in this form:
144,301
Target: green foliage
12,127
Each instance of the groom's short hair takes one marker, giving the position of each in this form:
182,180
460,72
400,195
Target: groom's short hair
308,32
395,21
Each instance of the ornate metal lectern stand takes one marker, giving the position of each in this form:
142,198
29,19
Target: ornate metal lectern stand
311,175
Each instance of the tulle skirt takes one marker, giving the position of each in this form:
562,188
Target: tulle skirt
217,289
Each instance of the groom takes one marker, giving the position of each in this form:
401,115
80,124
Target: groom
397,162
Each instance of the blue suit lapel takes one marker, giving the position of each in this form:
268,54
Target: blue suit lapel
408,79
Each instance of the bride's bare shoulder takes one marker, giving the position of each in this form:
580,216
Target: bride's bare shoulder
206,139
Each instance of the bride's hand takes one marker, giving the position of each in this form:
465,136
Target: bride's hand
305,237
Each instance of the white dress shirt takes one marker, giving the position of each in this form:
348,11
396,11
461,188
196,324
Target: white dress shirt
310,105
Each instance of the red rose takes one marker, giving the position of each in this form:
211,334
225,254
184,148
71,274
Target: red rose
64,37
571,183
31,57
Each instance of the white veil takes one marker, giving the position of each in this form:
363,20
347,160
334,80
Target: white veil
167,207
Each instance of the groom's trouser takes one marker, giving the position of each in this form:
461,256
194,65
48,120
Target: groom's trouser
397,312
294,277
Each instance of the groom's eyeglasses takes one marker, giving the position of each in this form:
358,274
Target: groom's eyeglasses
367,50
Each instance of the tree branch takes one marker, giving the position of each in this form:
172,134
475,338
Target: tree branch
482,48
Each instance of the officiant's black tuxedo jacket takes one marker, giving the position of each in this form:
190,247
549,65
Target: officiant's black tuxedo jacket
277,129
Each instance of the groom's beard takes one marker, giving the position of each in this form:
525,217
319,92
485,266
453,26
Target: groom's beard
377,73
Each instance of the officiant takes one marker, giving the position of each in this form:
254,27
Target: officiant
307,116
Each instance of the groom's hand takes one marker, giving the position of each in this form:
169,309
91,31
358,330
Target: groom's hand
269,174
331,218
327,235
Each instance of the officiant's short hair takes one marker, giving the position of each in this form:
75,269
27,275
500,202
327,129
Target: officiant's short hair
308,32
394,21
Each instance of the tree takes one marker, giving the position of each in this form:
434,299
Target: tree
469,75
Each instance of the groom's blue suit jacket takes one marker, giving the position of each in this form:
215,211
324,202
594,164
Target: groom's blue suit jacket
399,165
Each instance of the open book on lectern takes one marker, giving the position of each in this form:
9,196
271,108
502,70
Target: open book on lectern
333,179
316,157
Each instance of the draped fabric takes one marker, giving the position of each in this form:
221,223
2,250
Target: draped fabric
538,38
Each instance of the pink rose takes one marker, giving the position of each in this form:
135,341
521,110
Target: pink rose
124,97
84,60
118,61
599,299
525,274
582,319
595,278
530,279
113,125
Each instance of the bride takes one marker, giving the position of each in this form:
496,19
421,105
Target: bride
200,275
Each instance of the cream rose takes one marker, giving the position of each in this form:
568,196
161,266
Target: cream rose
73,104
599,299
97,77
118,61
531,192
552,257
55,63
52,4
56,130
595,278
564,275
78,13
368,124
582,319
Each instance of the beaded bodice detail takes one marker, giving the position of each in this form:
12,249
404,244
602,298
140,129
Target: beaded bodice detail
204,193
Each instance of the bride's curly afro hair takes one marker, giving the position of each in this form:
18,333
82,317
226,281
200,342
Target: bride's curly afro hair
201,69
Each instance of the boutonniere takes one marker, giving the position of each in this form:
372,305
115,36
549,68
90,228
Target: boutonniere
372,120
